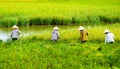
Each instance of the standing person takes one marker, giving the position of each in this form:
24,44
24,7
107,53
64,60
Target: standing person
15,33
109,36
83,34
55,34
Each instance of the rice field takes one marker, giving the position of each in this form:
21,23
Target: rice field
38,51
59,12
36,19
45,54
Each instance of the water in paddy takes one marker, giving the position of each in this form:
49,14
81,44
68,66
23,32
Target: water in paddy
28,31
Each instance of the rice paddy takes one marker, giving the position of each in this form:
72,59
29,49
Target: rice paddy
36,19
59,13
38,51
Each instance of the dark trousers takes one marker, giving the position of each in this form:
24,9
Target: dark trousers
83,42
111,42
14,39
54,40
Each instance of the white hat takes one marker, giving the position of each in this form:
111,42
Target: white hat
81,28
106,31
56,28
14,27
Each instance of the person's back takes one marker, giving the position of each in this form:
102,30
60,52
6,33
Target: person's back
83,35
55,34
15,33
109,38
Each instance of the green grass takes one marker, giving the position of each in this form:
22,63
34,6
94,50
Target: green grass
60,13
37,51
60,55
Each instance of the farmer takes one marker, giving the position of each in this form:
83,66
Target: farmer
109,36
83,34
55,34
15,33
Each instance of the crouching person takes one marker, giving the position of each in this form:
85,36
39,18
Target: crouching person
83,34
55,34
15,33
109,37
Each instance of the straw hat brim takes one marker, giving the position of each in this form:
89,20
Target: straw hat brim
81,28
14,27
56,28
106,31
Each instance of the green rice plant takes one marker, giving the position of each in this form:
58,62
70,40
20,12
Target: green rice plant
23,21
93,20
8,21
48,13
35,21
37,54
60,21
46,21
108,19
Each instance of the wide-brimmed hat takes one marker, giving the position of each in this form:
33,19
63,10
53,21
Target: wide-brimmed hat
56,28
15,27
106,31
81,28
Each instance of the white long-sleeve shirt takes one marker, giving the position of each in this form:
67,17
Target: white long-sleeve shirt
55,35
109,37
15,33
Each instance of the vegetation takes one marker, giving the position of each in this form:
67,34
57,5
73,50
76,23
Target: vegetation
59,13
37,51
61,55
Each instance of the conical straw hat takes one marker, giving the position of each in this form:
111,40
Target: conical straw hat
81,28
106,31
14,27
55,28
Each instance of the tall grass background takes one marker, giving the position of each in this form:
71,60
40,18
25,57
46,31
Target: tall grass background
59,13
